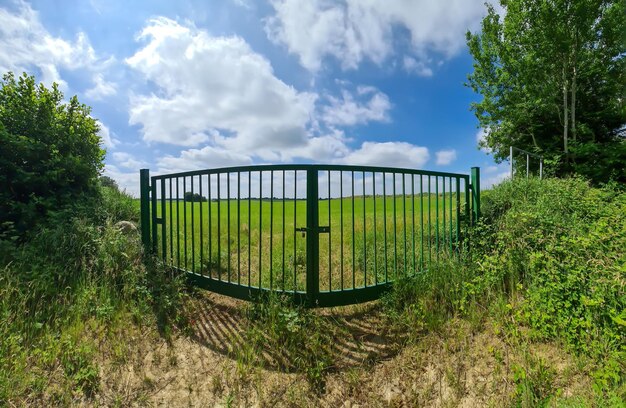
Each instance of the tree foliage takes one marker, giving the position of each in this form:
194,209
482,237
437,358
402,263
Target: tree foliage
194,197
552,76
50,154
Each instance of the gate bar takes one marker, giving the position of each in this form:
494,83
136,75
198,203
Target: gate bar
312,237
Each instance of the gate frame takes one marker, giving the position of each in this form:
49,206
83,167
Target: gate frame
312,297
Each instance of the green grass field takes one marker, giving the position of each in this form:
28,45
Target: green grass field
255,242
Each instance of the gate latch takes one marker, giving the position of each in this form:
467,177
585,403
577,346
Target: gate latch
320,230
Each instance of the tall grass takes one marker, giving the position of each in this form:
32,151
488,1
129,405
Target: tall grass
549,255
66,280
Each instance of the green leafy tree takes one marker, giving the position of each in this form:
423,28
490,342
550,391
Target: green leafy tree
107,181
552,77
50,154
194,197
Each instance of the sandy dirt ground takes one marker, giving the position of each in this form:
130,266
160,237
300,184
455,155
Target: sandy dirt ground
458,367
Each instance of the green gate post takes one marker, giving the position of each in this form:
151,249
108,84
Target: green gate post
144,188
475,175
312,238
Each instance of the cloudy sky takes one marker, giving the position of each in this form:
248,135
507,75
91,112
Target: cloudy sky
188,85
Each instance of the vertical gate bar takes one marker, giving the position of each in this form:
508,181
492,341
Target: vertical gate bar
239,228
476,191
163,227
364,237
228,224
527,164
178,222
171,226
219,226
271,229
330,262
353,243
450,211
467,201
153,200
295,233
413,216
260,225
404,219
385,224
210,238
284,237
375,228
443,196
201,228
395,230
437,217
341,221
430,231
185,219
193,229
144,187
312,237
422,222
458,211
249,226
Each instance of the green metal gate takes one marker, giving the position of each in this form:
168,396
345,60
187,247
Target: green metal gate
327,235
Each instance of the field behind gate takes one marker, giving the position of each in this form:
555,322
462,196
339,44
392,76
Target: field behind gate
371,240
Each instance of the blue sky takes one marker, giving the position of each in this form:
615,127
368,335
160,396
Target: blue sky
189,85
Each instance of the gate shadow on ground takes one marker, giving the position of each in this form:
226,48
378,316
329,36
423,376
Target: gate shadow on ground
218,323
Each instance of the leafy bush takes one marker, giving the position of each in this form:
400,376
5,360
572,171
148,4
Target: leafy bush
561,244
50,155
62,282
552,251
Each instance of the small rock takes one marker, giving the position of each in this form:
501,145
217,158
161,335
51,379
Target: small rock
126,227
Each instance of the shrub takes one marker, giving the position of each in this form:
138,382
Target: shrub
561,244
50,155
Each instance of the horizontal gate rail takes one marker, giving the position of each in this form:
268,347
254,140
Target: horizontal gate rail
326,235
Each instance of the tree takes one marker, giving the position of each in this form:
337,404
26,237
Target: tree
106,181
194,197
50,154
552,76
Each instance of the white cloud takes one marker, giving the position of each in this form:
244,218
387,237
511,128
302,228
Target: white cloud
354,30
215,90
25,45
493,175
346,111
105,135
101,88
323,148
128,181
128,161
392,154
420,68
481,139
445,157
196,159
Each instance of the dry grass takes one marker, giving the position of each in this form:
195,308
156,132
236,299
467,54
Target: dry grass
461,365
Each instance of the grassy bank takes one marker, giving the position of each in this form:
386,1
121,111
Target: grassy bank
68,292
532,316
